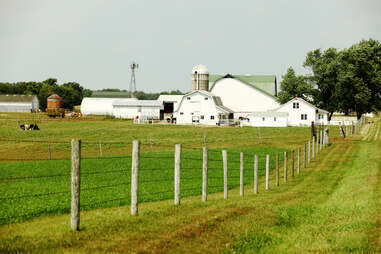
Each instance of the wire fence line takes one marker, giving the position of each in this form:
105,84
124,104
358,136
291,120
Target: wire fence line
107,182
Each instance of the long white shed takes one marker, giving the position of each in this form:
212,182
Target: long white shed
132,109
100,106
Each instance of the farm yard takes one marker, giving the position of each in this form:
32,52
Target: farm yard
305,214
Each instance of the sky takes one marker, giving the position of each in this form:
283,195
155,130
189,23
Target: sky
93,42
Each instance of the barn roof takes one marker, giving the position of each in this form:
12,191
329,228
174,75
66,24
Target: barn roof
264,83
16,98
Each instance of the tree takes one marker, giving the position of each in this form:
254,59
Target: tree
325,66
291,86
359,83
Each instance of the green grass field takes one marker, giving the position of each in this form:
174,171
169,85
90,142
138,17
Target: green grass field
333,206
37,188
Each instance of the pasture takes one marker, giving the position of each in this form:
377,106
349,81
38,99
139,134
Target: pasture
331,207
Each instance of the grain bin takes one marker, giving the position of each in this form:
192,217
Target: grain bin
200,78
54,101
54,106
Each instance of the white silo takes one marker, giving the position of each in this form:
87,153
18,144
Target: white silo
200,78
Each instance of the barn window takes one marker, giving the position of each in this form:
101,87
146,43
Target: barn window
295,105
206,98
211,117
188,98
192,113
263,118
181,113
202,117
274,119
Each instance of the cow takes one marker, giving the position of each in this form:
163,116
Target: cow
29,127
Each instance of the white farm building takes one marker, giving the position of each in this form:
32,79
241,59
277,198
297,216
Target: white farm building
18,103
303,113
204,108
133,109
128,108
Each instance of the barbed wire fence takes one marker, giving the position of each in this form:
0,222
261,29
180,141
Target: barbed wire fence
46,188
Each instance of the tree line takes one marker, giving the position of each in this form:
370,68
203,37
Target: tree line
347,80
71,92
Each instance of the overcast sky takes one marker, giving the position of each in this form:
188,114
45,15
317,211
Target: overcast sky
93,41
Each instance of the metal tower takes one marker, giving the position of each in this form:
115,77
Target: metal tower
132,88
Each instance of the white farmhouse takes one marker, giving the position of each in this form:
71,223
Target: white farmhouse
301,112
137,109
246,93
18,103
202,107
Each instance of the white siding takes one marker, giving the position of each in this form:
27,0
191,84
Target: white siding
295,114
197,107
241,97
24,107
268,121
97,106
132,112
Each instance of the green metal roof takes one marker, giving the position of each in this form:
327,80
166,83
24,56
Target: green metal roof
264,83
16,98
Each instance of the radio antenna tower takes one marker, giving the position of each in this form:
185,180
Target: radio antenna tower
132,88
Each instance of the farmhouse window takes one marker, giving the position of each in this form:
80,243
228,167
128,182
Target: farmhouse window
295,105
303,116
263,118
274,119
211,117
202,117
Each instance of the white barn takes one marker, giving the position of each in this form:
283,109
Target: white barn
170,105
127,108
18,103
137,109
245,93
303,113
202,107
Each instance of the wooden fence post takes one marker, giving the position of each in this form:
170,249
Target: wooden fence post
298,162
255,174
285,167
50,152
177,173
75,183
100,149
267,170
317,144
309,151
293,163
277,169
135,177
225,165
313,148
321,140
305,155
204,174
241,175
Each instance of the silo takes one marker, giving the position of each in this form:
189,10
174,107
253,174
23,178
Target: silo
200,78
